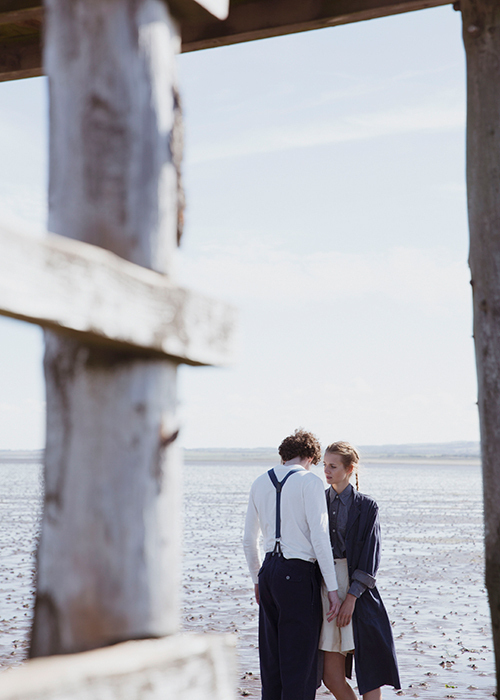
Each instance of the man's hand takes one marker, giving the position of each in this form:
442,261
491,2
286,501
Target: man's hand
256,588
345,614
335,604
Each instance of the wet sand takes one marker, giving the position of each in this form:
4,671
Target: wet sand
431,576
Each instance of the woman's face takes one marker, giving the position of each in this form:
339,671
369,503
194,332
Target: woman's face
335,472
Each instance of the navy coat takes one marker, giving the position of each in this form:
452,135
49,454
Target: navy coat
375,655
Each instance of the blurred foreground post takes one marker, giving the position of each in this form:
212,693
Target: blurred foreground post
116,327
481,29
108,561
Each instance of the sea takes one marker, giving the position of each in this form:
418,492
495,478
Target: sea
431,577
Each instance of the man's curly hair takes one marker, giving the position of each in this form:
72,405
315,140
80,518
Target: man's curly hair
300,444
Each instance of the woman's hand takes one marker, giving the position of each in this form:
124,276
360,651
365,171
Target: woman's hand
335,604
257,596
345,613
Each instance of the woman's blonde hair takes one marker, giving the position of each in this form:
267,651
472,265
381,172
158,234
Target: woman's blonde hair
349,456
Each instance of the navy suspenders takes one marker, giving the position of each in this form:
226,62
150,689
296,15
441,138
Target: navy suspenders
278,485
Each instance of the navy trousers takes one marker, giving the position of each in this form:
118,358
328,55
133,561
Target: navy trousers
290,617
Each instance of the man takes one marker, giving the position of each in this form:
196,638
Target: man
294,526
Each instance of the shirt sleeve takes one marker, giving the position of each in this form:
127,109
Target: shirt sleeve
317,519
251,539
357,588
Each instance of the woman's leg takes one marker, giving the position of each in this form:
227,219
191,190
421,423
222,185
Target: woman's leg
373,695
334,677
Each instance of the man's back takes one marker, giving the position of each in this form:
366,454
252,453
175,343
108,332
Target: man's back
304,519
287,585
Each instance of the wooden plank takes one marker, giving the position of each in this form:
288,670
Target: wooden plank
218,8
196,10
21,31
182,667
99,298
481,31
17,5
248,20
32,13
21,58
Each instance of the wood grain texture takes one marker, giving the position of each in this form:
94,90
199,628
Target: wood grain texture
99,298
108,558
109,554
181,667
20,58
112,80
481,25
29,16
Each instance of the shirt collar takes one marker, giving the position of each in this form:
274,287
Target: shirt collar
345,496
289,467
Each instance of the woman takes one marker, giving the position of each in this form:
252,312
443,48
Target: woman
362,626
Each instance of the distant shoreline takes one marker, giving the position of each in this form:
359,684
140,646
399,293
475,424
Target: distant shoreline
442,453
21,456
440,459
455,453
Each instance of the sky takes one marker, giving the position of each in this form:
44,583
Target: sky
325,183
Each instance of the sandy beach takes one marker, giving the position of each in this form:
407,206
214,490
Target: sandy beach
431,576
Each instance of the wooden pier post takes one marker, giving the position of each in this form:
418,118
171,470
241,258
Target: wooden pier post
481,30
108,557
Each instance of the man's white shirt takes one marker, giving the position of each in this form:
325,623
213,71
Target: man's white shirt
304,521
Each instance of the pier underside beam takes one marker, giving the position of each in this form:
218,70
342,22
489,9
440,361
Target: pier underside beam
21,24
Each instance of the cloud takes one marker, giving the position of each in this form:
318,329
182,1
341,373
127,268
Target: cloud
443,114
258,272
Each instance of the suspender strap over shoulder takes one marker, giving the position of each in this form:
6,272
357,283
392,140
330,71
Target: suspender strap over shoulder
278,485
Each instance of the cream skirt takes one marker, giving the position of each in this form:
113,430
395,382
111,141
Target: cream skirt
333,638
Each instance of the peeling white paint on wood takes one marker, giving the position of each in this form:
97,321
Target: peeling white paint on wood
112,86
100,298
182,667
108,559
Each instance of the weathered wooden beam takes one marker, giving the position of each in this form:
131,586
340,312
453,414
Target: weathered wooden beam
481,31
20,58
21,31
260,19
108,559
20,39
248,20
18,10
98,298
32,14
184,667
198,10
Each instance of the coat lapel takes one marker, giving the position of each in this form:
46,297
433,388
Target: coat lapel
354,511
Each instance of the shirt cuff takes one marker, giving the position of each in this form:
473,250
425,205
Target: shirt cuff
367,579
357,588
